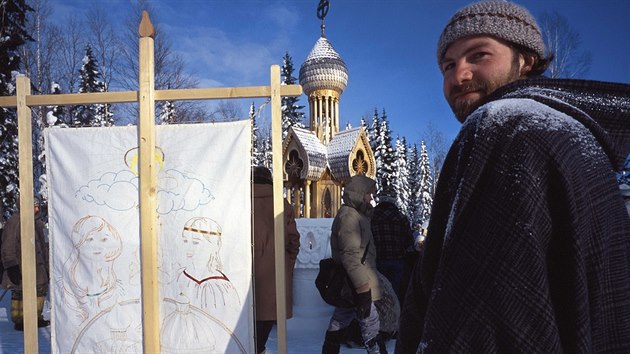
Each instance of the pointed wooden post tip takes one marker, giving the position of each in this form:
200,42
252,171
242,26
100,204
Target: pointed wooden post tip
146,28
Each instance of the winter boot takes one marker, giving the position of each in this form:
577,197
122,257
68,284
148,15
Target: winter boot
373,346
332,342
41,322
17,314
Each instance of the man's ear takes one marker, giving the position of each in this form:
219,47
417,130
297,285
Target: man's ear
526,63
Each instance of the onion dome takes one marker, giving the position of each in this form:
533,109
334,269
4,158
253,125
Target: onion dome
323,69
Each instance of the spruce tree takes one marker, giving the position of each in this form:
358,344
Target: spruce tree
266,153
384,154
401,175
291,114
57,114
167,113
96,115
426,185
12,38
414,192
374,131
257,159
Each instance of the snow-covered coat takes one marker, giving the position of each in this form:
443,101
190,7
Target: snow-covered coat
351,233
264,250
528,247
12,248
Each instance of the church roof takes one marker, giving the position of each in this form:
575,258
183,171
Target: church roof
323,69
339,150
312,148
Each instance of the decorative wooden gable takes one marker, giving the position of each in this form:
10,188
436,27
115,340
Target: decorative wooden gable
349,154
303,156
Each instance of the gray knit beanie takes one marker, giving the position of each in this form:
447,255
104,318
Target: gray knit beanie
500,19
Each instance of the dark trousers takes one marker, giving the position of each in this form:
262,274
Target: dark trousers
392,269
263,328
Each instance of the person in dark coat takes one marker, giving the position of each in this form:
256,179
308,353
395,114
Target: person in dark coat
12,262
393,240
351,239
264,259
527,248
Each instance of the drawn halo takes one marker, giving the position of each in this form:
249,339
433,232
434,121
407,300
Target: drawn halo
132,156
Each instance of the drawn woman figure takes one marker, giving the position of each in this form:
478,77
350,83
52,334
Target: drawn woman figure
185,331
202,278
90,284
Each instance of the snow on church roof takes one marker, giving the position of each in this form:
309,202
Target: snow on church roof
339,150
323,69
315,153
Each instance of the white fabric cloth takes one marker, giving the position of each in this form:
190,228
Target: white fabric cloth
203,173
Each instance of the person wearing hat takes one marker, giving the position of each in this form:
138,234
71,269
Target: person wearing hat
264,255
528,247
352,246
12,262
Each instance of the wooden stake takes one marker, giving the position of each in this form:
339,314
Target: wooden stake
148,190
27,222
278,208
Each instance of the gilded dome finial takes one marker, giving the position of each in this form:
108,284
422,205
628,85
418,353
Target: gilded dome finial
322,10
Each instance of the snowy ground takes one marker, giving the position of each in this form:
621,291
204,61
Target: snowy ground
305,336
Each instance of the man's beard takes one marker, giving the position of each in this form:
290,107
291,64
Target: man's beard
463,108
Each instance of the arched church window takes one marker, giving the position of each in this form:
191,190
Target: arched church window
359,165
293,167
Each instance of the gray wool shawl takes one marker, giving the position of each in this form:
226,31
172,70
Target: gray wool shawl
528,249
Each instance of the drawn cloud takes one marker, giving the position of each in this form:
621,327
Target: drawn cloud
111,190
176,191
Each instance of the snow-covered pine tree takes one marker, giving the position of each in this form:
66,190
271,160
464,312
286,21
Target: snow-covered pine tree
401,175
95,115
363,124
414,191
374,131
12,37
266,152
56,115
291,114
167,113
426,184
257,158
384,154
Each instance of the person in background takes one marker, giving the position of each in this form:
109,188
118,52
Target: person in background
12,262
528,248
264,259
393,240
351,239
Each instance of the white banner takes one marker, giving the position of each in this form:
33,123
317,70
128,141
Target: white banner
204,227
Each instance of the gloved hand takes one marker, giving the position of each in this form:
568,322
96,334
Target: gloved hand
14,274
363,304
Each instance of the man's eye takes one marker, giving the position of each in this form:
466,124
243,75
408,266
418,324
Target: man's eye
447,66
479,55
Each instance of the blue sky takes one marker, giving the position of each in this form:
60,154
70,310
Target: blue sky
388,46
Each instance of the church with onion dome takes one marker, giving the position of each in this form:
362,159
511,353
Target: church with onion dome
317,161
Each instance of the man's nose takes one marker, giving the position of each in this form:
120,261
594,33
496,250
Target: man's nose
462,73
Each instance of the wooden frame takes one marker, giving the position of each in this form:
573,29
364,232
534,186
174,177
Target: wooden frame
145,97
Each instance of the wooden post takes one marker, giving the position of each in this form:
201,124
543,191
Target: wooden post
148,189
27,222
307,199
278,208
